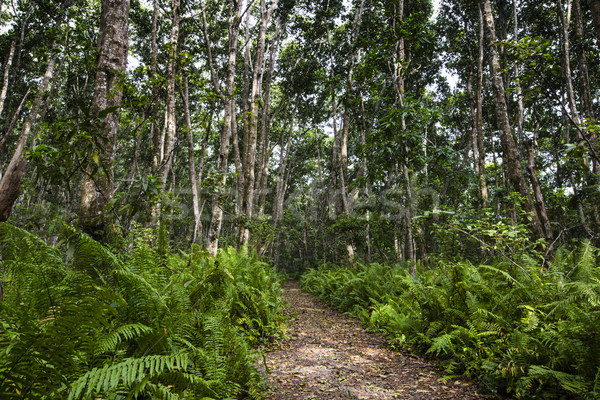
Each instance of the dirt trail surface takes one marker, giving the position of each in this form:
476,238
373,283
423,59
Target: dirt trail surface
329,356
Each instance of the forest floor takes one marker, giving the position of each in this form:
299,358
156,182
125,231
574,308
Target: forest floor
328,355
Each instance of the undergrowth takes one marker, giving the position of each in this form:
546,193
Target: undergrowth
79,321
520,330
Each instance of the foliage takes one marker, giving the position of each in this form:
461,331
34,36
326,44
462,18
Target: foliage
80,321
526,332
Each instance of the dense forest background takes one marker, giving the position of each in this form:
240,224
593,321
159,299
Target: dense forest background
457,141
310,131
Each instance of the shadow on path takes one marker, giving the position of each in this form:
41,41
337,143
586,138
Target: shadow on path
329,356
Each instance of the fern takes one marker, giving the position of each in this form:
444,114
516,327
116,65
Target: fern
125,373
79,320
119,335
523,331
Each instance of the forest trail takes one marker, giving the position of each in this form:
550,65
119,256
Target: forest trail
330,356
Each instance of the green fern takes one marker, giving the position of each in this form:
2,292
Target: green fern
520,330
79,320
127,373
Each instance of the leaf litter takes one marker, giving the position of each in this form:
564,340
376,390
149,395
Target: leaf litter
328,355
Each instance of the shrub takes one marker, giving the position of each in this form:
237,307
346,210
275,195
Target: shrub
517,328
80,321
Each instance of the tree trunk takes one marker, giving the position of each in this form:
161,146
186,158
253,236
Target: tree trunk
154,130
6,76
218,198
537,191
166,141
10,185
97,189
520,107
566,59
192,161
509,147
479,115
265,129
476,113
14,119
586,92
255,94
239,163
595,9
170,117
400,69
284,155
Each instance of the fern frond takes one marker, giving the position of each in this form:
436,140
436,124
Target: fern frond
543,375
441,344
126,373
119,335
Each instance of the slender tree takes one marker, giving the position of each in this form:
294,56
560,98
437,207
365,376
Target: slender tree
6,76
249,159
509,146
595,9
218,198
10,185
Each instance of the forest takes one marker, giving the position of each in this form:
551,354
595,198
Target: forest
431,168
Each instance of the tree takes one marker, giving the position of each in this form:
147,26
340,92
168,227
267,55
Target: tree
10,185
509,147
229,122
595,9
249,159
98,184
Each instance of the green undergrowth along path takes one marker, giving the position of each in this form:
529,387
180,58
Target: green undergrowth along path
520,330
80,321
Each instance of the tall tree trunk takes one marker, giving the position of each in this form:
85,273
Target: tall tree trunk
97,189
22,37
154,129
265,128
166,141
255,95
520,108
10,185
595,9
582,61
284,155
239,163
6,76
566,59
479,115
586,92
191,160
399,71
170,116
218,198
509,147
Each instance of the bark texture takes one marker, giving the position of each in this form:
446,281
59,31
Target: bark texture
255,97
191,160
10,185
595,9
98,186
537,192
509,147
218,198
6,76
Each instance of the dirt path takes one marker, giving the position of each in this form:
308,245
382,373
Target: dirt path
329,356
